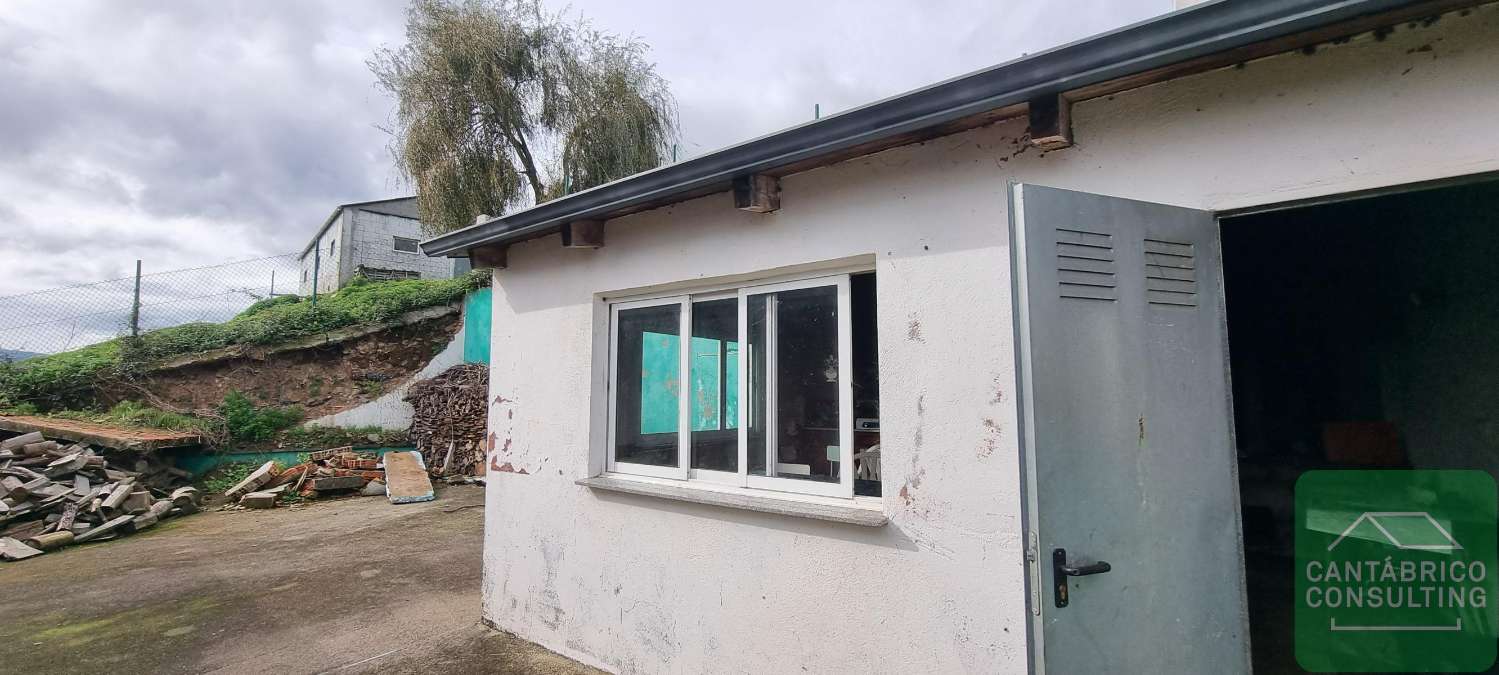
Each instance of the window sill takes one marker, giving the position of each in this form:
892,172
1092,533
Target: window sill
852,512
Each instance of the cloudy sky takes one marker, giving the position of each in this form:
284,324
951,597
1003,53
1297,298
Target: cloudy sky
191,133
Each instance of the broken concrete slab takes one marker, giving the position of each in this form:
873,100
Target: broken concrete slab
22,440
107,528
51,540
13,549
143,521
161,508
137,503
333,483
259,500
39,448
118,494
257,478
406,479
373,488
185,499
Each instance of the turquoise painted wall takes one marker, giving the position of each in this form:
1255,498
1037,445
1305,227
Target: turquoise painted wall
477,312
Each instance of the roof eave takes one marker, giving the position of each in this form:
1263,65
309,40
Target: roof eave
1173,38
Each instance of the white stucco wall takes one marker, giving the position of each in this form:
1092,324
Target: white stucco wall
372,245
638,584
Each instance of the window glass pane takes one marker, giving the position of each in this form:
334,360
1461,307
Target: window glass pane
406,244
648,378
866,350
797,331
714,380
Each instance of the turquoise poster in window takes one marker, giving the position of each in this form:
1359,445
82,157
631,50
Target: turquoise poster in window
714,382
660,375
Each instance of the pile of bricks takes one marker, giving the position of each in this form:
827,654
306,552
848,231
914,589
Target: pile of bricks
327,472
53,495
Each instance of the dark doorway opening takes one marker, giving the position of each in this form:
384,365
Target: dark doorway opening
1362,334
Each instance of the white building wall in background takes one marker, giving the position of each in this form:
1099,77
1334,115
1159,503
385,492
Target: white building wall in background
329,263
373,245
642,584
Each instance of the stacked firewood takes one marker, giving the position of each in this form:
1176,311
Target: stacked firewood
53,495
450,419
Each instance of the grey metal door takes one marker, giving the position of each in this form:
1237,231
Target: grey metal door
1127,437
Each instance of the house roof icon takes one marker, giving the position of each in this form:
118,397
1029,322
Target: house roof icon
1401,528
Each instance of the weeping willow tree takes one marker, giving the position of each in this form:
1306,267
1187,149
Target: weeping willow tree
501,105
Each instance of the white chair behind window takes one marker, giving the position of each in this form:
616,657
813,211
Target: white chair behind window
867,463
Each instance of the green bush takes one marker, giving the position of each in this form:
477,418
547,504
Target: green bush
66,379
246,422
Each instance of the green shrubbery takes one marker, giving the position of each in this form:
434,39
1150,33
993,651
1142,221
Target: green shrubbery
245,422
65,379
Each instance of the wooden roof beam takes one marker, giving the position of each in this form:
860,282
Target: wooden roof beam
757,193
490,257
1050,122
583,234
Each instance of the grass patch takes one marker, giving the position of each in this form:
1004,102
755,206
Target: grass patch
136,414
65,379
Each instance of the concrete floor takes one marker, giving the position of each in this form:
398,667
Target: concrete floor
350,585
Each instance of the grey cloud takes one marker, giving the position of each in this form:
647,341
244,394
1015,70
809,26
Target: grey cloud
248,121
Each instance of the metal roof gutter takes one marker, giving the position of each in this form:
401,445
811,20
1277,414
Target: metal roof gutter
1180,36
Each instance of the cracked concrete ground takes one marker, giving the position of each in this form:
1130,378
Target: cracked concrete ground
349,586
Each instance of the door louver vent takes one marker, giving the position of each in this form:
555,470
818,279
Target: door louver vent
1085,265
1170,273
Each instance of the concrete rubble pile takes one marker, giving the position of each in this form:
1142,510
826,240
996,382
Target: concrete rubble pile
54,494
339,471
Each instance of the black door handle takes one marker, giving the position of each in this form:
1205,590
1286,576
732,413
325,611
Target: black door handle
1060,570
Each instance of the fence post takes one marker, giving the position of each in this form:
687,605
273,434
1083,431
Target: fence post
273,284
317,259
135,305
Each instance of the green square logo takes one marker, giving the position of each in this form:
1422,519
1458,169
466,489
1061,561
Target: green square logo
1395,571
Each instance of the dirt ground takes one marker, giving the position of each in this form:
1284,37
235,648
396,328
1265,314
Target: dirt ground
350,586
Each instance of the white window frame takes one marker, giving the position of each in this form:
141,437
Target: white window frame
844,487
683,452
414,242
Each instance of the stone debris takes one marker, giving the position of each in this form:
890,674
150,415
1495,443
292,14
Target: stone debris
54,494
265,474
259,500
326,473
12,549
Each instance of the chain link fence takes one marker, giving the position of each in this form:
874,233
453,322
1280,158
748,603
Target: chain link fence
60,319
